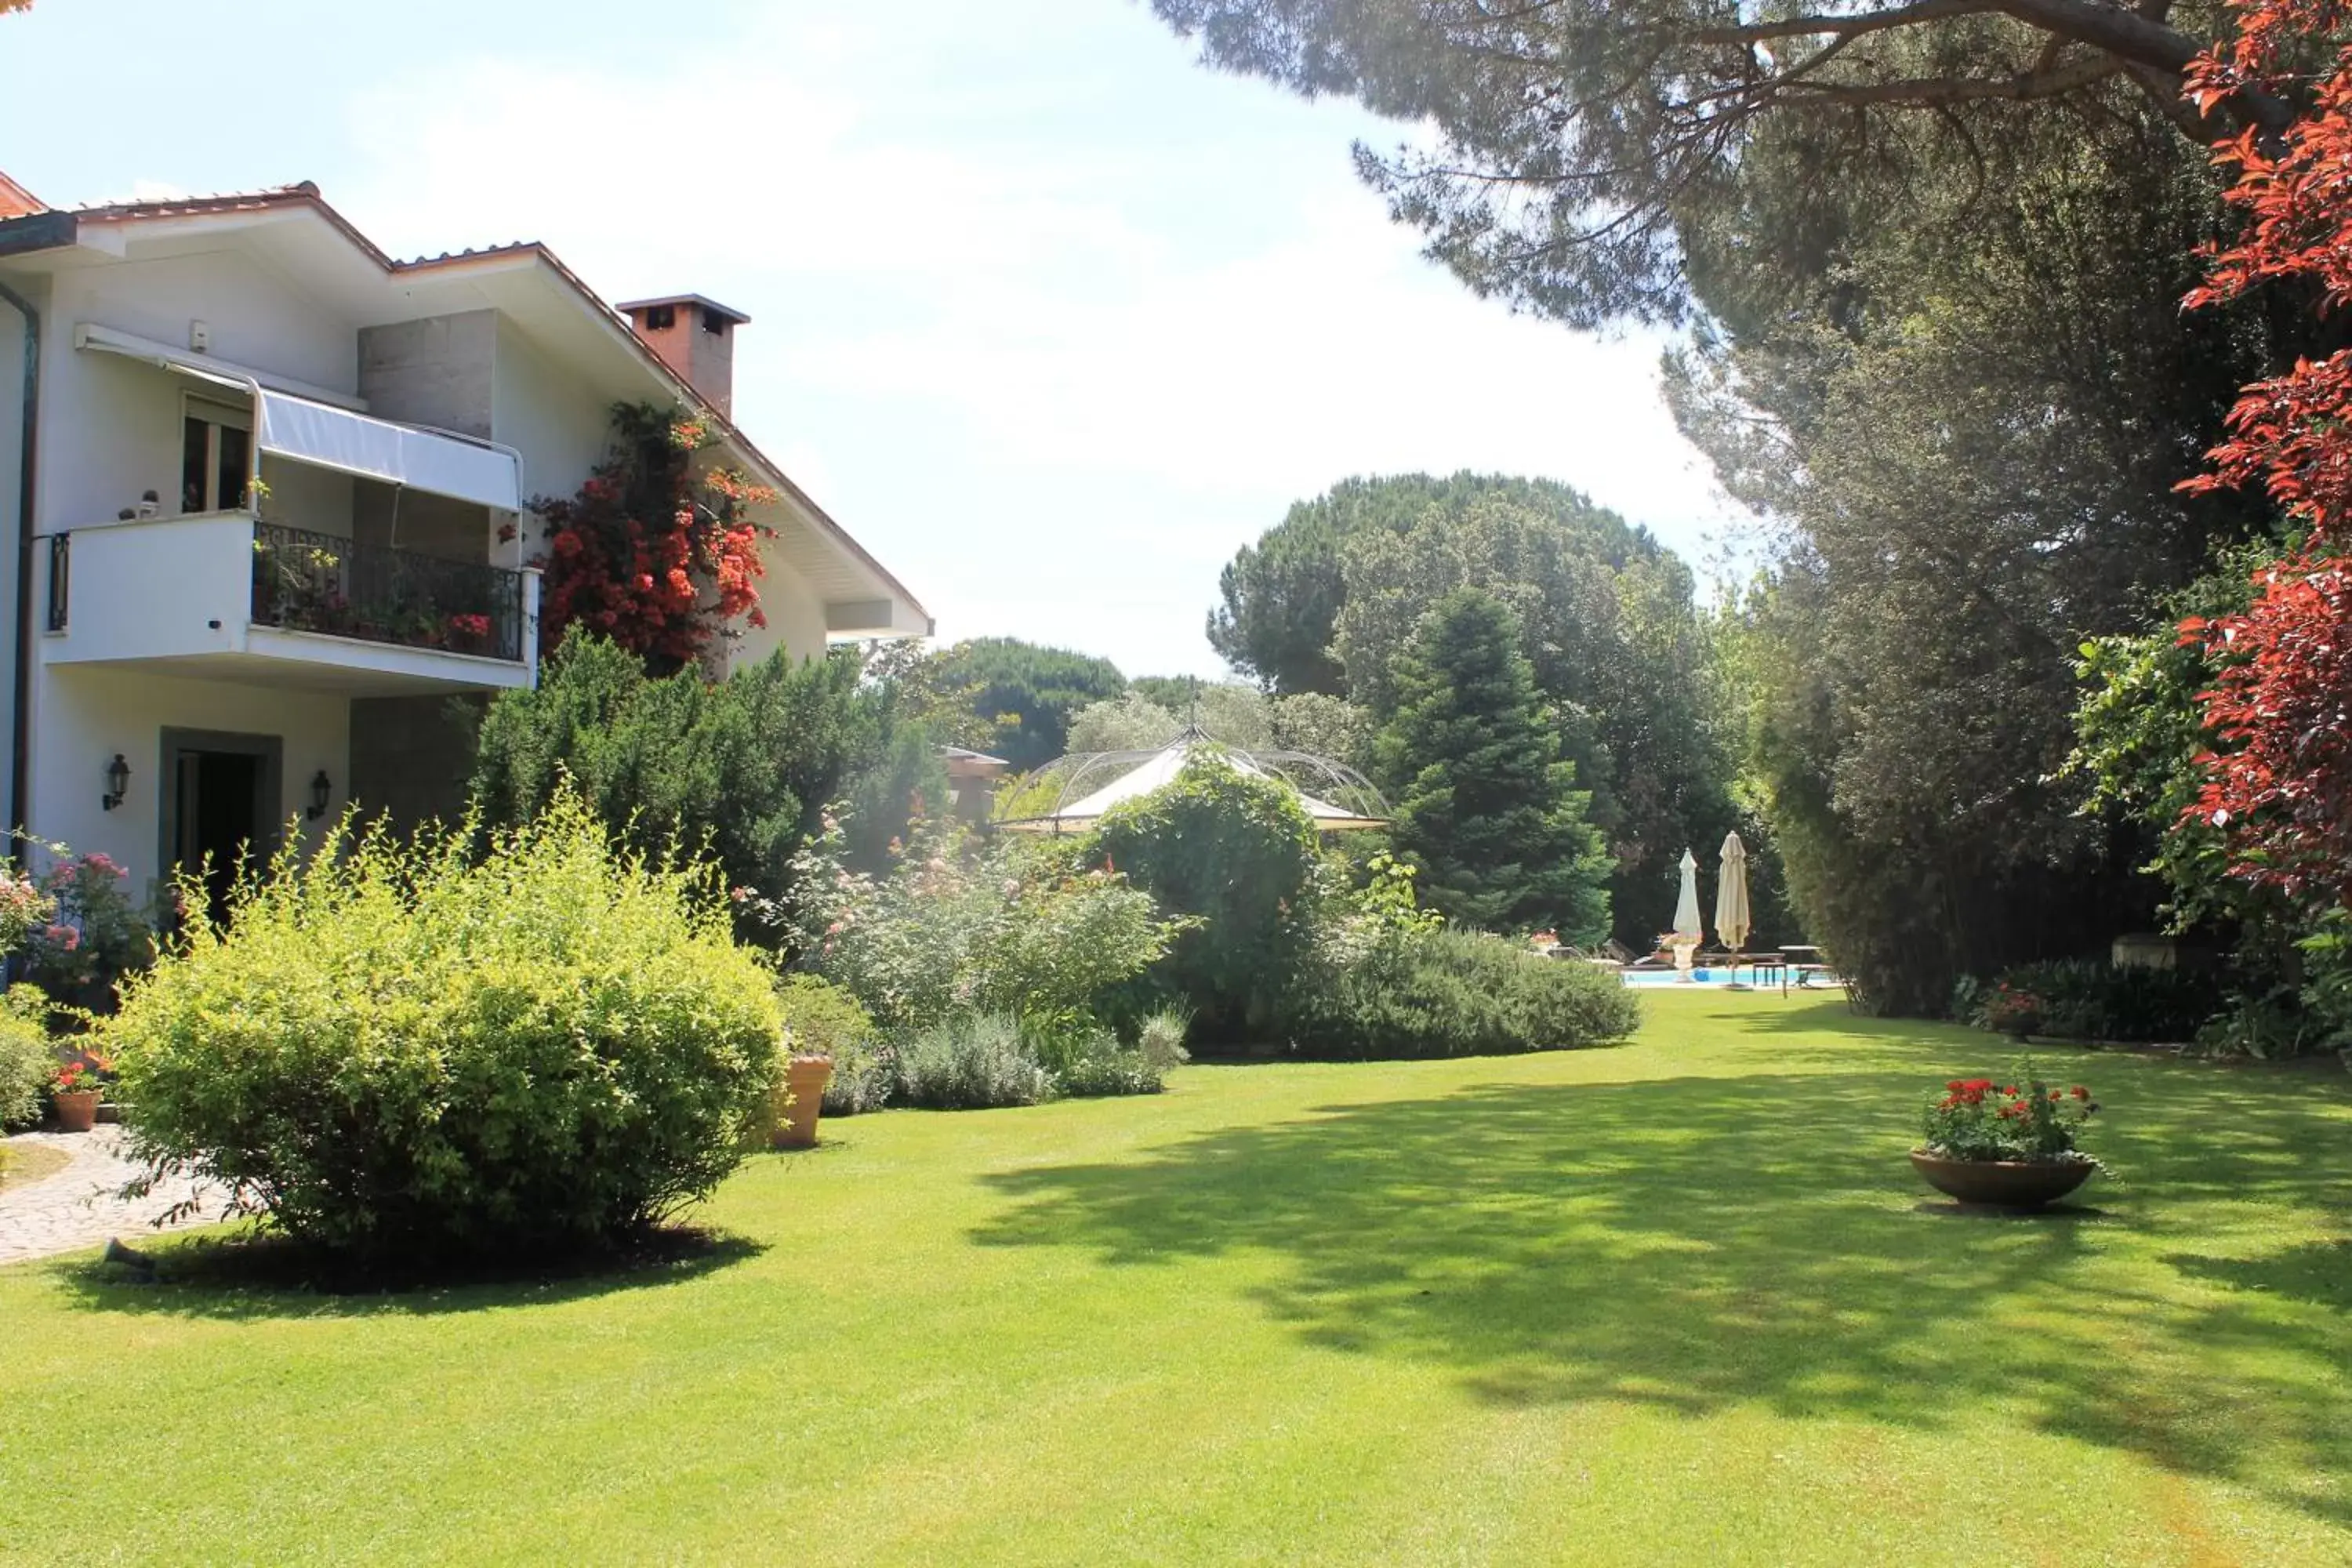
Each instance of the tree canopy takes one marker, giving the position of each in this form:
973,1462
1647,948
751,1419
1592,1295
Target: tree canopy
1586,148
1025,694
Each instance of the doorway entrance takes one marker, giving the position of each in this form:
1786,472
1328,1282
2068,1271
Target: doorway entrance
223,795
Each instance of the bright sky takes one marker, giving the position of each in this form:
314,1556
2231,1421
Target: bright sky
1050,316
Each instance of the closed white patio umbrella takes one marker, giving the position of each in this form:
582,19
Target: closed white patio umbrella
1732,919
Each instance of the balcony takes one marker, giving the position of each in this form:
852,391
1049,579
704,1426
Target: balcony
224,596
306,581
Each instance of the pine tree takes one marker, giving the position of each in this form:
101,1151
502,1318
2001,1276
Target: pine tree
1485,805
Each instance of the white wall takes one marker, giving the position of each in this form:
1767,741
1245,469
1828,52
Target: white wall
153,590
87,715
562,428
795,619
110,426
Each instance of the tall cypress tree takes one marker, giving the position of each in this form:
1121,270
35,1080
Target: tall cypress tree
1486,806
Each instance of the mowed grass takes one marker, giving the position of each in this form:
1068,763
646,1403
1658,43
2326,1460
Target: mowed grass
1677,1302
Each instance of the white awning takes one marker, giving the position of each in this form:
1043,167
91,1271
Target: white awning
313,433
308,430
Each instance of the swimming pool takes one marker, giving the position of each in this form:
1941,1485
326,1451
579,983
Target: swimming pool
1719,977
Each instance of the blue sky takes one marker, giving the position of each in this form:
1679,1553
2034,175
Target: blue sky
1048,315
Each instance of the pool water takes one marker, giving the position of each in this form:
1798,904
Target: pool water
1714,977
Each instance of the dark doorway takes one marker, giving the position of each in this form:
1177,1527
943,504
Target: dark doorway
221,812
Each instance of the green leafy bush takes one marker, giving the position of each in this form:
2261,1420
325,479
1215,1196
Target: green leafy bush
27,1060
2086,999
1455,994
1237,854
737,770
400,1052
1103,1067
1017,931
822,1019
970,1061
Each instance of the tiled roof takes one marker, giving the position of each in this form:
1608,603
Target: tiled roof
16,201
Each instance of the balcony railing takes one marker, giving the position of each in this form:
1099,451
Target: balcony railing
320,583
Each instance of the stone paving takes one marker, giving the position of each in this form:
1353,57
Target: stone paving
78,1206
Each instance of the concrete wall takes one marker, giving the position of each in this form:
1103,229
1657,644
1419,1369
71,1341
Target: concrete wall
411,756
317,499
110,426
439,371
88,714
388,515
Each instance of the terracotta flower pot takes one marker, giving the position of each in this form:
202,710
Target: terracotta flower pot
2002,1184
805,1078
76,1113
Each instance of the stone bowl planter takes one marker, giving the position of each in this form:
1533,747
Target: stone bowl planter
2002,1184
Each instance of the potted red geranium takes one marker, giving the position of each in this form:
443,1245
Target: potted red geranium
75,1091
2011,1145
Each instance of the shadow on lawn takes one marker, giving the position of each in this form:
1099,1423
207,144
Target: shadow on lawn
242,1277
1699,1243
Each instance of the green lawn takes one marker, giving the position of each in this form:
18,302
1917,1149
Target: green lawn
1680,1302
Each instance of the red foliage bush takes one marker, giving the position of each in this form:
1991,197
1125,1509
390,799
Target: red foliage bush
2278,780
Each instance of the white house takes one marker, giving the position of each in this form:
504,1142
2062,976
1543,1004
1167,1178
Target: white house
200,658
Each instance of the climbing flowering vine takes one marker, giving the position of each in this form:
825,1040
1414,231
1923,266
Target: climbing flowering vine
2277,781
659,550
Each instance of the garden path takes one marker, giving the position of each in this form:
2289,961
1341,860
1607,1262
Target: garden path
79,1206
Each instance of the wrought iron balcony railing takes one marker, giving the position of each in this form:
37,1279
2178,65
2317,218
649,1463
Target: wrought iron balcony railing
319,582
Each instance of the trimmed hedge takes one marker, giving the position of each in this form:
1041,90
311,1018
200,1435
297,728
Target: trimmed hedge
1454,993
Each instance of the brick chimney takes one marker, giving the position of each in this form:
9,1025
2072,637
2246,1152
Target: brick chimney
696,338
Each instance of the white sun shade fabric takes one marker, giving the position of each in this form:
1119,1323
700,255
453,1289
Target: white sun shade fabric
308,432
1161,769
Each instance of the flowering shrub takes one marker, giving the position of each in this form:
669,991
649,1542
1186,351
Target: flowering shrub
2011,1010
653,553
2024,1120
24,908
96,933
399,1050
1018,932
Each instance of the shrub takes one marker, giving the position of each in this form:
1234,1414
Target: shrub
1457,993
1236,852
822,1019
1102,1067
27,1060
399,1052
1160,1038
2087,999
1018,933
971,1061
737,770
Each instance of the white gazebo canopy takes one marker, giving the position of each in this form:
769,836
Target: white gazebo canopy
1147,770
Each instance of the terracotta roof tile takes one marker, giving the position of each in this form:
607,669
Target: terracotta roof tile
16,201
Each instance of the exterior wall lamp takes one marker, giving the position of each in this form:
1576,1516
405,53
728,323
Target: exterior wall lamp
322,793
118,783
